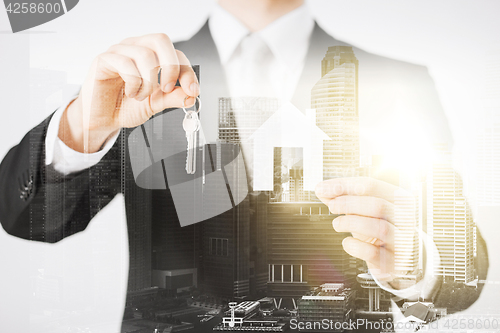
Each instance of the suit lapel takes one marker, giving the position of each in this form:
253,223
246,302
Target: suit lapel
318,45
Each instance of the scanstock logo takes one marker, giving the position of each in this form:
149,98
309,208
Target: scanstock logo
26,14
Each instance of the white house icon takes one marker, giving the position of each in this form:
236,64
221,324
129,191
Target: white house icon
288,127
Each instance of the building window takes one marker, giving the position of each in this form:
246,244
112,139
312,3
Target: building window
286,273
219,247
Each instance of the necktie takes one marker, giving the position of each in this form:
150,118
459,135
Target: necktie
252,74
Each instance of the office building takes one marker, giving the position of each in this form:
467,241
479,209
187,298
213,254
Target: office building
289,176
303,250
406,238
258,244
488,133
239,118
244,316
279,177
331,304
139,233
449,220
176,249
226,237
335,98
488,160
296,186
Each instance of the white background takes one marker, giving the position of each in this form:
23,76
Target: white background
457,40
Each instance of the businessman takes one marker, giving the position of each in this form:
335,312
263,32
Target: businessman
64,164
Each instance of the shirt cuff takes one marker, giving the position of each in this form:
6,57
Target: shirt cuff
64,159
427,285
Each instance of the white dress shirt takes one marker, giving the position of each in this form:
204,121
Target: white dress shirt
287,38
64,159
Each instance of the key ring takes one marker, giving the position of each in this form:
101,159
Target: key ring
184,104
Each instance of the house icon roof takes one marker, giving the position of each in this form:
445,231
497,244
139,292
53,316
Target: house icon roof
289,127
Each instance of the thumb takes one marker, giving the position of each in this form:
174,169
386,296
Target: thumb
160,101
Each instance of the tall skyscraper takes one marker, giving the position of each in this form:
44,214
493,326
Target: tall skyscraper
488,134
406,245
279,177
239,117
336,56
226,253
449,220
258,243
139,234
488,160
238,120
409,216
296,183
335,98
176,249
488,152
289,176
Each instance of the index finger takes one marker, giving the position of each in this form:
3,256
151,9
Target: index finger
172,66
365,186
187,77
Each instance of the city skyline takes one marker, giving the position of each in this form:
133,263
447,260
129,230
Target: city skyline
279,243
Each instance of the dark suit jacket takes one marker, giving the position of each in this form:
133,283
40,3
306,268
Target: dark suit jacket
37,203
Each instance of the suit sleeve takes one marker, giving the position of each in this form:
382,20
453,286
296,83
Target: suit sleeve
38,203
454,296
416,94
458,297
64,159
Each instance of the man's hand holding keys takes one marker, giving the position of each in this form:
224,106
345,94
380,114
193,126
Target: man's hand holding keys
122,90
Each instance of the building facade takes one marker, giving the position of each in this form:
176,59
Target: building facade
303,249
335,98
226,237
449,221
336,306
239,118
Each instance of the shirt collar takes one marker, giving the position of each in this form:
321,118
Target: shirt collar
226,31
287,37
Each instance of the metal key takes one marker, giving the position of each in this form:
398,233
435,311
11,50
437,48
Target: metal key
191,125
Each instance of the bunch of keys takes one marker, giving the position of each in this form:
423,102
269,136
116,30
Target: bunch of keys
191,125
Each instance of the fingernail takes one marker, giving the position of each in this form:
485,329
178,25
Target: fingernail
195,88
346,244
168,87
190,101
336,223
332,205
319,190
